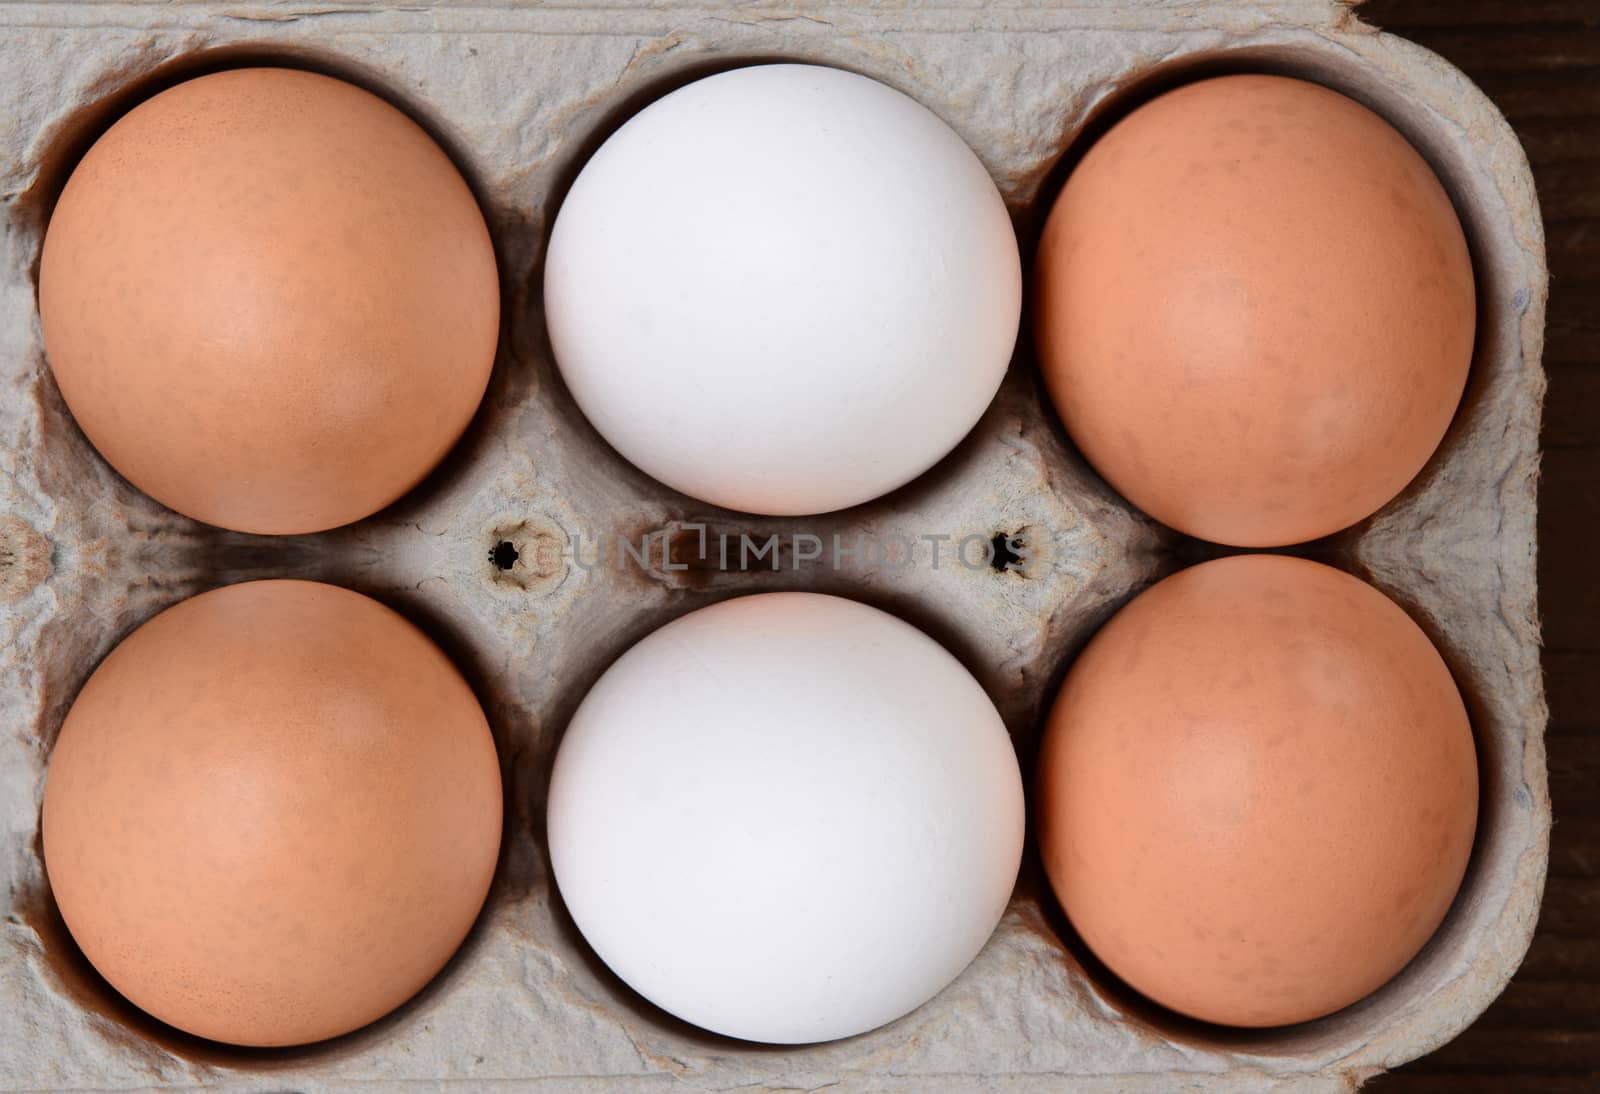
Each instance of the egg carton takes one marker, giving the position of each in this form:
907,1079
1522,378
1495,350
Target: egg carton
497,553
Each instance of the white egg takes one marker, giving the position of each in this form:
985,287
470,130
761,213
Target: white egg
786,818
783,289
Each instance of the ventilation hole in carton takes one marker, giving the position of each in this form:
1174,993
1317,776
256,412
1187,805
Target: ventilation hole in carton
527,554
504,556
1009,554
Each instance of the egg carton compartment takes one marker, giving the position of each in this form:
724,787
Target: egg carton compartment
496,553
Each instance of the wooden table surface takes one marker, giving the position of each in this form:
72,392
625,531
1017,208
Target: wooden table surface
1540,62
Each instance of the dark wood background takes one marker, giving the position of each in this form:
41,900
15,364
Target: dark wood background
1540,62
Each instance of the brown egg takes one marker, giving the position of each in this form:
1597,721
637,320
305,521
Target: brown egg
273,813
1254,310
269,300
1257,791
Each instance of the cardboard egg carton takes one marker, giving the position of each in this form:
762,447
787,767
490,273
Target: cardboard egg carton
508,554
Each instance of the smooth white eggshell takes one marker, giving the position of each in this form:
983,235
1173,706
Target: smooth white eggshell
783,289
786,818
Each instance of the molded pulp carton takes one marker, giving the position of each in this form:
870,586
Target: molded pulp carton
497,553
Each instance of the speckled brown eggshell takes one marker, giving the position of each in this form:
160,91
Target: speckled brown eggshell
1254,309
272,814
1258,791
269,300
